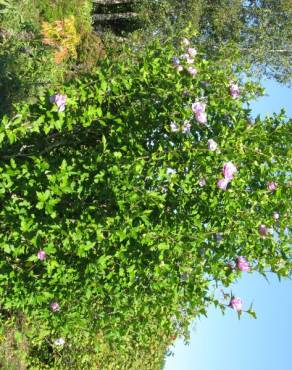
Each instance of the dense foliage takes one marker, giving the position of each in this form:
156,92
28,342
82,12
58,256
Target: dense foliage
128,199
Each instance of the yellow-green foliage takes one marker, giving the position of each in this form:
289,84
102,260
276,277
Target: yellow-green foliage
62,35
52,10
18,351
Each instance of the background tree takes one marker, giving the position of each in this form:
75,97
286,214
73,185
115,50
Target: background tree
261,30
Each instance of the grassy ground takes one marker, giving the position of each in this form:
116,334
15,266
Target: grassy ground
16,353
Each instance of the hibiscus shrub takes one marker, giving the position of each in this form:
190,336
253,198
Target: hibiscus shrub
127,198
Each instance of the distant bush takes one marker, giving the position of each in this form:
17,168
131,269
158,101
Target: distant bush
39,41
62,36
89,50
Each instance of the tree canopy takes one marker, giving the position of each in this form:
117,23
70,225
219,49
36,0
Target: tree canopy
261,30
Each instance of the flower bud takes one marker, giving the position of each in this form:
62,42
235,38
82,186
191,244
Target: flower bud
186,128
222,183
234,90
59,100
236,303
229,169
192,71
59,342
272,186
185,41
201,117
192,52
263,230
41,255
242,264
175,61
55,307
276,216
198,107
212,145
174,127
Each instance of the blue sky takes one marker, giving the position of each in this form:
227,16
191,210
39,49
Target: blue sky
226,343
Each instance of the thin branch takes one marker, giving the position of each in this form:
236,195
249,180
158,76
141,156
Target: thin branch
113,17
112,2
269,51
